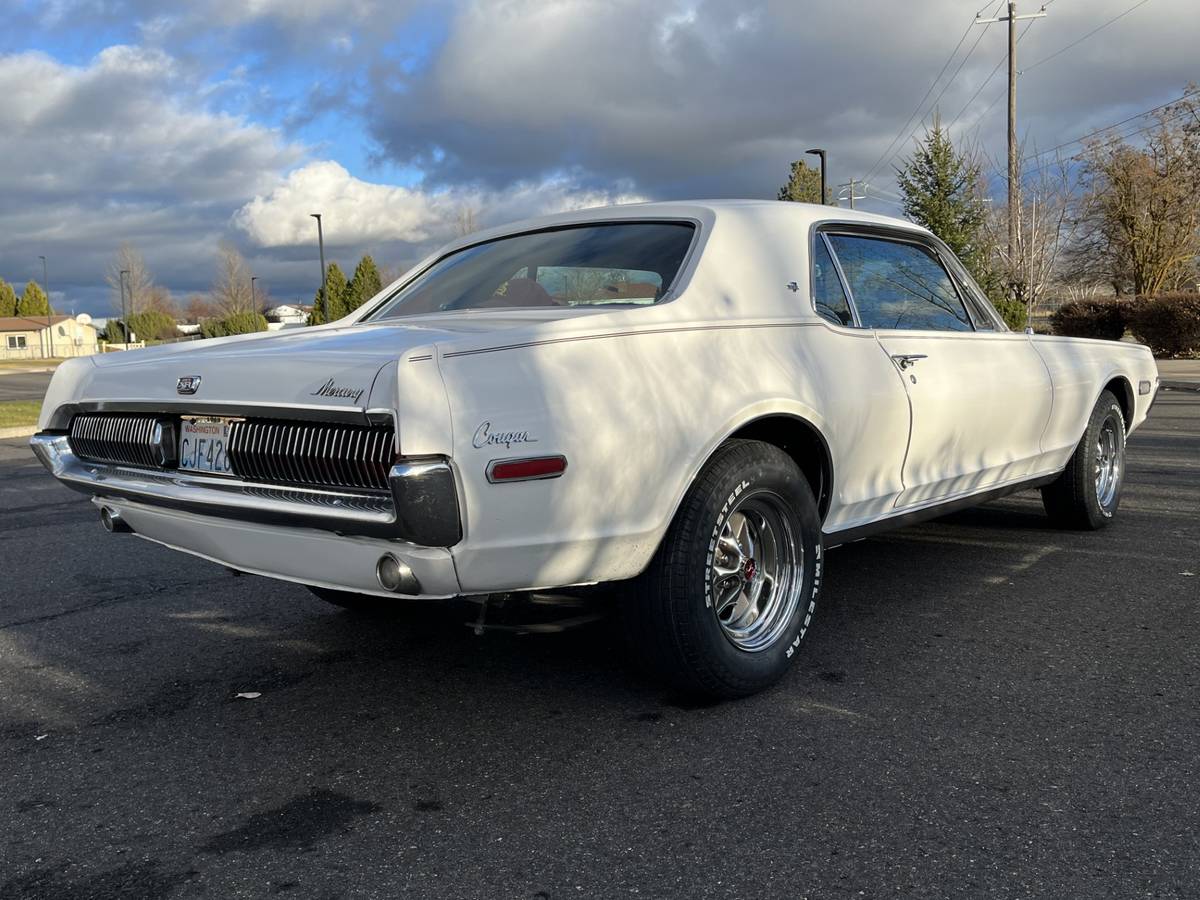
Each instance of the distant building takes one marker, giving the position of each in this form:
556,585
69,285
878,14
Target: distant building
287,314
30,337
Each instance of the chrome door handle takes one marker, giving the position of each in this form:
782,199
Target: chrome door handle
904,360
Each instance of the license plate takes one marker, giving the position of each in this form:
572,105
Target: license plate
202,446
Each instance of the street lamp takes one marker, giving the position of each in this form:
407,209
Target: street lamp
253,300
817,151
124,322
324,291
49,321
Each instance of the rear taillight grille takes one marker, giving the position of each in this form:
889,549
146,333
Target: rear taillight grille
312,454
266,451
114,438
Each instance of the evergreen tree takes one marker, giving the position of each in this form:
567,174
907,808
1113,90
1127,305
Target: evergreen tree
34,301
364,285
804,185
941,190
8,299
335,282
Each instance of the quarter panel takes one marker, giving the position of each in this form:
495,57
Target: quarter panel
636,415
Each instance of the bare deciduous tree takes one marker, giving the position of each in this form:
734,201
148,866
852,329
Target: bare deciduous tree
1142,214
139,283
1046,225
466,221
231,290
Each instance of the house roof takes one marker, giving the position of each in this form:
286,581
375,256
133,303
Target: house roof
28,323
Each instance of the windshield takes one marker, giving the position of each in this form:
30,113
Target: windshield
584,265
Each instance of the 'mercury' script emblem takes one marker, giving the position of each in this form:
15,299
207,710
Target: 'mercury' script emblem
485,437
330,389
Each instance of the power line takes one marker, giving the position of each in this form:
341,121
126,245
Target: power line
1116,137
949,82
1076,43
1092,134
987,80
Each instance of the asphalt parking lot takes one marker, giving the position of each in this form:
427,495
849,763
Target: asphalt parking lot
985,707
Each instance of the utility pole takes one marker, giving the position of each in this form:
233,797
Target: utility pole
49,322
1014,177
124,315
817,151
852,196
324,288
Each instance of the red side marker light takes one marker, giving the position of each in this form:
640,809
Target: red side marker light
527,469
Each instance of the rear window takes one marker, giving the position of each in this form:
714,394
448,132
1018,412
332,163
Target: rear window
624,264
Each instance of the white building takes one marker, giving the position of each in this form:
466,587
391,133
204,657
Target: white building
39,337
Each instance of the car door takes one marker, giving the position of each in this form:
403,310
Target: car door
979,396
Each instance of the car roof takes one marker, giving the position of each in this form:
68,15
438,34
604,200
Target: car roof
704,211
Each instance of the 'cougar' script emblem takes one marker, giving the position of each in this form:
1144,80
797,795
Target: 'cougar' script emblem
188,384
485,437
329,389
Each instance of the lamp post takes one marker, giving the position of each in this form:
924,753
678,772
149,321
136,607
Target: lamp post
817,151
324,291
49,320
253,299
124,322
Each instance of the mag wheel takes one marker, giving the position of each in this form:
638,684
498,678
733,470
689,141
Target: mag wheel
731,592
1086,495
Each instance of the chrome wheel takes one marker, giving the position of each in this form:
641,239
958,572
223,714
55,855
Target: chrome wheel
757,571
1110,460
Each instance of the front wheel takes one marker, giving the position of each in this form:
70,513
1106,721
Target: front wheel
731,591
1087,493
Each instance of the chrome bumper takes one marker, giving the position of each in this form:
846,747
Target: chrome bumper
421,508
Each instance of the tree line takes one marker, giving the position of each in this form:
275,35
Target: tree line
1114,220
32,302
234,305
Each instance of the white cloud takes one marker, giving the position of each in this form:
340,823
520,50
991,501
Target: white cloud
120,149
356,212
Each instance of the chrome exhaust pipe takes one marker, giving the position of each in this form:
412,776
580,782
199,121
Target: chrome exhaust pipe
112,521
396,576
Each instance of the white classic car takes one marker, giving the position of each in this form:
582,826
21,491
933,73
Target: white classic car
698,399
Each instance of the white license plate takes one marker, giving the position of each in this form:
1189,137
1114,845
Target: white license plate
203,444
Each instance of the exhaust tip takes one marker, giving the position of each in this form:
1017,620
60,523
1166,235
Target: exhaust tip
396,576
112,522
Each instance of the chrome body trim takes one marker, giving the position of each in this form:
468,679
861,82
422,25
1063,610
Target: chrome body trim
367,513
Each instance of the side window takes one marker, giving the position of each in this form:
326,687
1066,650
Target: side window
829,297
591,286
898,285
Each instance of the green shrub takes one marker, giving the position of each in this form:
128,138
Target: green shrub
153,325
1169,324
1104,319
236,323
1012,312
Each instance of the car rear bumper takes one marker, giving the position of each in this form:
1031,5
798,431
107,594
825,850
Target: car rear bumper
302,555
421,507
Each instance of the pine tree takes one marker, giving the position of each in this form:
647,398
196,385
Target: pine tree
941,190
8,299
33,302
335,282
364,285
804,185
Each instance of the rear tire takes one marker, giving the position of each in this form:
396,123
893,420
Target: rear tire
731,591
1087,493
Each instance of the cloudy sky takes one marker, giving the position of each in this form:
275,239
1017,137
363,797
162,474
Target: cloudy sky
175,126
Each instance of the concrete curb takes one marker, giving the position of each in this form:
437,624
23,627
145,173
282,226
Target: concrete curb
17,431
1181,385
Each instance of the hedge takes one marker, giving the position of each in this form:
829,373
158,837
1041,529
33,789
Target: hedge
1169,324
1104,319
237,323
